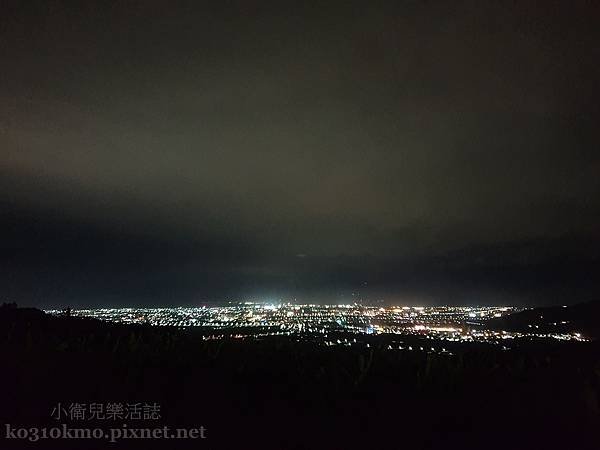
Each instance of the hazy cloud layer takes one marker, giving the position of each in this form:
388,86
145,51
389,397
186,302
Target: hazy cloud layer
207,146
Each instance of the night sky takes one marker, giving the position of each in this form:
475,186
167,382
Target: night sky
408,152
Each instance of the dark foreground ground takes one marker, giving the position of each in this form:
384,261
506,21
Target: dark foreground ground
284,394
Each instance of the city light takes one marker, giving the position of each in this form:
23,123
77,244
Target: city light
251,319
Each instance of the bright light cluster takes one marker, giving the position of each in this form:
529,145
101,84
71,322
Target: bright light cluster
450,323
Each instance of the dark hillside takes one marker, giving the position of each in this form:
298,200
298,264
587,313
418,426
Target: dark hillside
280,393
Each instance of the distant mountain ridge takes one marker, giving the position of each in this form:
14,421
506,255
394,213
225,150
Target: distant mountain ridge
581,318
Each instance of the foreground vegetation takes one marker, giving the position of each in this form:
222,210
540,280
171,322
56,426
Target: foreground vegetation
283,393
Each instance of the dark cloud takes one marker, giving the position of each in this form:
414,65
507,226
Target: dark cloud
169,153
